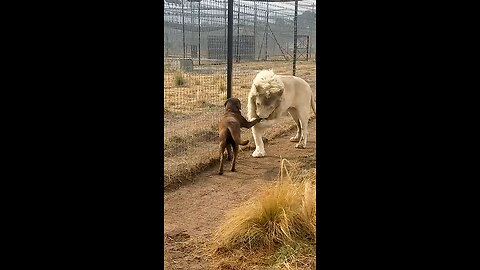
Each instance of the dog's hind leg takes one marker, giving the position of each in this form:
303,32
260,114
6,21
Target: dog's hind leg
303,117
257,137
235,154
229,152
293,113
222,150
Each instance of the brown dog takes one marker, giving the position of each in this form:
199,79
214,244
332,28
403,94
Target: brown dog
229,130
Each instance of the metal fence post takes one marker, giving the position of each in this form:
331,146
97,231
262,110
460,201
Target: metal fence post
183,32
199,32
255,29
230,49
295,38
266,34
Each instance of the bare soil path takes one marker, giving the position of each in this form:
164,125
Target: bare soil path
194,210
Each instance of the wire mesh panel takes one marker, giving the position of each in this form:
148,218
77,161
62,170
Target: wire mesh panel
217,48
194,83
195,65
269,25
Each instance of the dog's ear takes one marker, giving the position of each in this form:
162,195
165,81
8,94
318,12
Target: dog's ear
225,104
239,104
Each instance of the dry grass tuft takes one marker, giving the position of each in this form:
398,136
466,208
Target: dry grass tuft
178,78
296,256
221,87
204,104
279,223
218,78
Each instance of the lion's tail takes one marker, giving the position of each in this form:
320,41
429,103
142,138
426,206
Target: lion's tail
313,102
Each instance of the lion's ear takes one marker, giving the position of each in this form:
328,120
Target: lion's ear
257,88
252,107
280,92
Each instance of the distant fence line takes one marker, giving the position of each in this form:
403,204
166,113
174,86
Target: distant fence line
196,29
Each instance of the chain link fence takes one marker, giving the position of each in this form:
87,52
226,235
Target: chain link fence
195,65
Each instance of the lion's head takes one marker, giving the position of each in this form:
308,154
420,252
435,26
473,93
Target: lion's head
267,91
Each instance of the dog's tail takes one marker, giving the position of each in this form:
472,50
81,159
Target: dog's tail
236,137
313,101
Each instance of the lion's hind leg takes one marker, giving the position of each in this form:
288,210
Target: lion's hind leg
303,117
293,113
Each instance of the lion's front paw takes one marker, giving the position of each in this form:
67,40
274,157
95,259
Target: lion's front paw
295,139
300,146
258,153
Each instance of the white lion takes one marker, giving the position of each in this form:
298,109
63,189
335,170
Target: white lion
272,96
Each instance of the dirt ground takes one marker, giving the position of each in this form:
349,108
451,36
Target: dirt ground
195,209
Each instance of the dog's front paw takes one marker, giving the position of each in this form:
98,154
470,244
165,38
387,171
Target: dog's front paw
300,146
258,153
